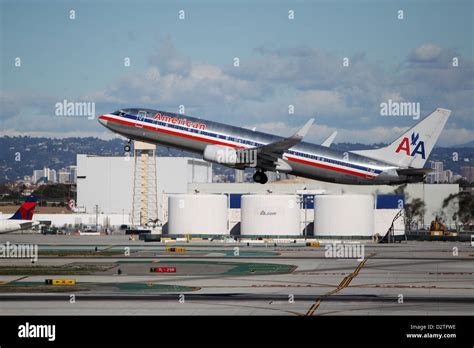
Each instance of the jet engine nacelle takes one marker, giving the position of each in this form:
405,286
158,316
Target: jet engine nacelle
221,154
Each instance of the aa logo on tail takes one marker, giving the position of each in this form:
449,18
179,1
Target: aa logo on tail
406,145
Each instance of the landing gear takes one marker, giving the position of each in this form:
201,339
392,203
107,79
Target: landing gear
260,177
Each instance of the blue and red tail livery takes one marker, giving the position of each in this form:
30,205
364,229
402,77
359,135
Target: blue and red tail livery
26,210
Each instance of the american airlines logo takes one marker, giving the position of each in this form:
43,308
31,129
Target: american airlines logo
412,146
263,212
180,121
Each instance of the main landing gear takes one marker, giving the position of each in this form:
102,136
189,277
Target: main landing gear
127,146
260,177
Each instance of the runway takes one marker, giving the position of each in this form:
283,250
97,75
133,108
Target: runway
410,278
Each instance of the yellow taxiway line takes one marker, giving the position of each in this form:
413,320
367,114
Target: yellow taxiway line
345,282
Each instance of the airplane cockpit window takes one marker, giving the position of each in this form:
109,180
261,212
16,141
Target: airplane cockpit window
118,113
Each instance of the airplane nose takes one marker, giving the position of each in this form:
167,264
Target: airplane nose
102,121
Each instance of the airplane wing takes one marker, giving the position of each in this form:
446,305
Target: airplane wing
269,154
329,140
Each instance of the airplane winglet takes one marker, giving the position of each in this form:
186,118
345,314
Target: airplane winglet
304,130
277,148
329,140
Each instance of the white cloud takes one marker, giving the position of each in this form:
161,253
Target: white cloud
316,102
394,96
260,90
426,53
169,60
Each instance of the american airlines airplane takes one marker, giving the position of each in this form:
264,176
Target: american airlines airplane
400,162
22,219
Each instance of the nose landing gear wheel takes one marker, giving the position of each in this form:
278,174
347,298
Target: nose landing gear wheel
260,177
127,148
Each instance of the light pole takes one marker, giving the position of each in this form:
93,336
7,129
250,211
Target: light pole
96,217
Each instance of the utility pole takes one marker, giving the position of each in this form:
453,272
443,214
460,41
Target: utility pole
96,217
305,202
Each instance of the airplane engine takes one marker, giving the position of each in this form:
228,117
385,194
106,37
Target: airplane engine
221,154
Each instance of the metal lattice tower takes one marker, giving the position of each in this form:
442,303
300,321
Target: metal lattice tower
145,195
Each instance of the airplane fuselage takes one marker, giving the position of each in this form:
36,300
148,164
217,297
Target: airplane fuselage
304,159
7,226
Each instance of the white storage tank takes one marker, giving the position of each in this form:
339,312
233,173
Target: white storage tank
344,215
270,215
197,214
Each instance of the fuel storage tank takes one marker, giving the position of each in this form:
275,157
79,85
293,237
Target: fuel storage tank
270,215
344,215
198,214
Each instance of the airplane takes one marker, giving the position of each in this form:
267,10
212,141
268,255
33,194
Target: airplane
22,219
398,163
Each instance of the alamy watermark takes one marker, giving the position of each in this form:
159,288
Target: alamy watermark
345,251
19,251
75,109
28,330
396,108
246,157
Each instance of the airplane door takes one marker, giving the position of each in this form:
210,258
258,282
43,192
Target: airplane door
371,171
140,117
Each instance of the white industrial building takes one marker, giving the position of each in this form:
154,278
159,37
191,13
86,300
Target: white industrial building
270,215
344,215
432,195
197,215
303,214
107,182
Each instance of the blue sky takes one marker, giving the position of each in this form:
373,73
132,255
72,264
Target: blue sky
282,62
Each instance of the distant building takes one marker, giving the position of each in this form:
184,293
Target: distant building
439,175
220,178
239,175
448,175
73,174
37,175
50,175
46,175
436,176
467,173
64,177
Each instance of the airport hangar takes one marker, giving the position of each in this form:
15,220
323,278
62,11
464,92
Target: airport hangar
181,195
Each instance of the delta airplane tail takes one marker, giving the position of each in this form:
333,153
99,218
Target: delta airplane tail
412,149
26,210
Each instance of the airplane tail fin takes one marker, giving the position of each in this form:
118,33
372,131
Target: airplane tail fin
413,147
26,210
